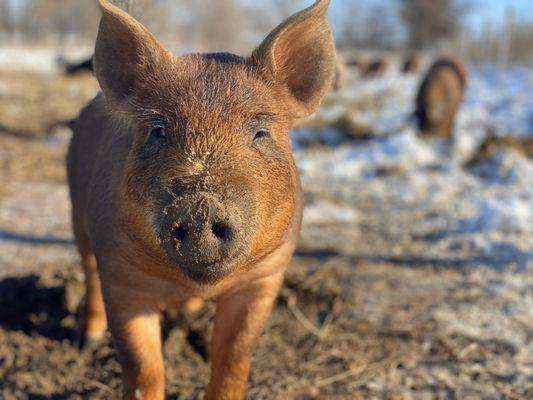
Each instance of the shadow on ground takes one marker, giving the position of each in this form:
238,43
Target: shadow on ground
36,240
498,256
28,307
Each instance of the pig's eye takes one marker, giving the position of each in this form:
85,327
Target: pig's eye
156,141
260,134
263,142
158,133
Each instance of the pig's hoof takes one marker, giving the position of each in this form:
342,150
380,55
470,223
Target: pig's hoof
89,343
86,343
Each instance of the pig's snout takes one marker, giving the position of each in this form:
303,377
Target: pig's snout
203,234
200,231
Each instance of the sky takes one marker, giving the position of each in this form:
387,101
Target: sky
482,11
495,12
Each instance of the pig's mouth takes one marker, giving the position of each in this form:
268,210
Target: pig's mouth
209,274
202,270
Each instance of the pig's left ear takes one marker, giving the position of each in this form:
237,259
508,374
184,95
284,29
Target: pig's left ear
300,56
126,55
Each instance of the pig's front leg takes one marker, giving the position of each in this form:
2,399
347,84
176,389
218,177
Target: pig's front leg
239,320
135,326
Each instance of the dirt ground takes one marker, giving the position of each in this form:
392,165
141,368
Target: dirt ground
384,307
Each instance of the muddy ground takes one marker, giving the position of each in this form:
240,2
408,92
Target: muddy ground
382,302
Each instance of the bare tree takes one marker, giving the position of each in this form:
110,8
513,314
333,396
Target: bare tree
380,31
212,25
520,43
428,22
366,27
132,7
505,45
6,18
44,18
182,25
222,24
350,30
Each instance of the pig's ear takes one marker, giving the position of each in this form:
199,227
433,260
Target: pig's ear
300,55
125,53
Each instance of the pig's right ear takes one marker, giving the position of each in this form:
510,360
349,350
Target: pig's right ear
125,53
300,56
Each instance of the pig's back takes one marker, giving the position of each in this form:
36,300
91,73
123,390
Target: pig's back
445,87
84,148
439,95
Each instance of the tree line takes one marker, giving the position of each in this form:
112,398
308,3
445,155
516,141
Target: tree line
237,25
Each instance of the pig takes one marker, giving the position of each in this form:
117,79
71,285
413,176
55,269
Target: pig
357,64
184,187
439,97
411,65
376,68
492,143
80,66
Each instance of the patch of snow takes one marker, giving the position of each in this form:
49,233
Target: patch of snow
327,212
302,137
509,214
38,59
500,100
402,152
506,168
481,208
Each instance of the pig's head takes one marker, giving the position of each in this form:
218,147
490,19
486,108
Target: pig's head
209,183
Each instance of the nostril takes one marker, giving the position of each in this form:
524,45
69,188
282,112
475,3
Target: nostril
180,232
222,231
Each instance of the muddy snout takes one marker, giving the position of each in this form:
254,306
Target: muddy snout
200,230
